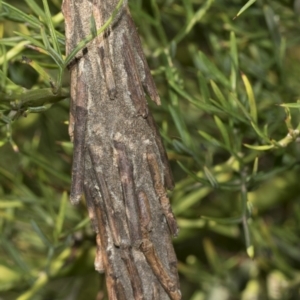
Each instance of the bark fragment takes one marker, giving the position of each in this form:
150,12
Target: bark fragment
107,69
158,269
160,190
99,260
145,74
129,195
79,140
134,277
155,291
134,83
168,178
108,204
145,213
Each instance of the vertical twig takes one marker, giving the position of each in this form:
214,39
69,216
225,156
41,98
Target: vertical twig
119,159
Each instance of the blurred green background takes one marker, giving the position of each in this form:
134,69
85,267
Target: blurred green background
229,84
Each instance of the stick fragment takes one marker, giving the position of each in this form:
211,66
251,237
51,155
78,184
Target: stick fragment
120,291
170,285
134,276
79,141
147,79
168,178
92,194
128,188
158,269
99,260
155,291
172,259
144,213
99,257
133,80
160,191
107,201
107,69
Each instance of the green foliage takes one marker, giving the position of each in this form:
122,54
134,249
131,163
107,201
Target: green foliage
228,76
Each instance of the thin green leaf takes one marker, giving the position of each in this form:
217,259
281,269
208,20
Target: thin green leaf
51,28
44,75
79,226
223,131
187,223
193,175
3,72
13,52
36,9
31,39
180,125
49,168
93,26
180,147
210,138
244,8
19,15
188,9
266,130
229,111
144,16
15,255
259,132
288,120
58,19
35,288
196,17
255,166
56,57
204,106
211,178
10,41
242,108
160,30
40,233
282,50
273,27
291,105
234,220
211,255
203,88
45,37
249,245
4,204
191,199
61,215
219,94
234,61
260,148
207,67
251,98
38,109
51,52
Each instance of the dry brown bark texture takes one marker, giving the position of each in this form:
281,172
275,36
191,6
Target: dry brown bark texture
119,162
